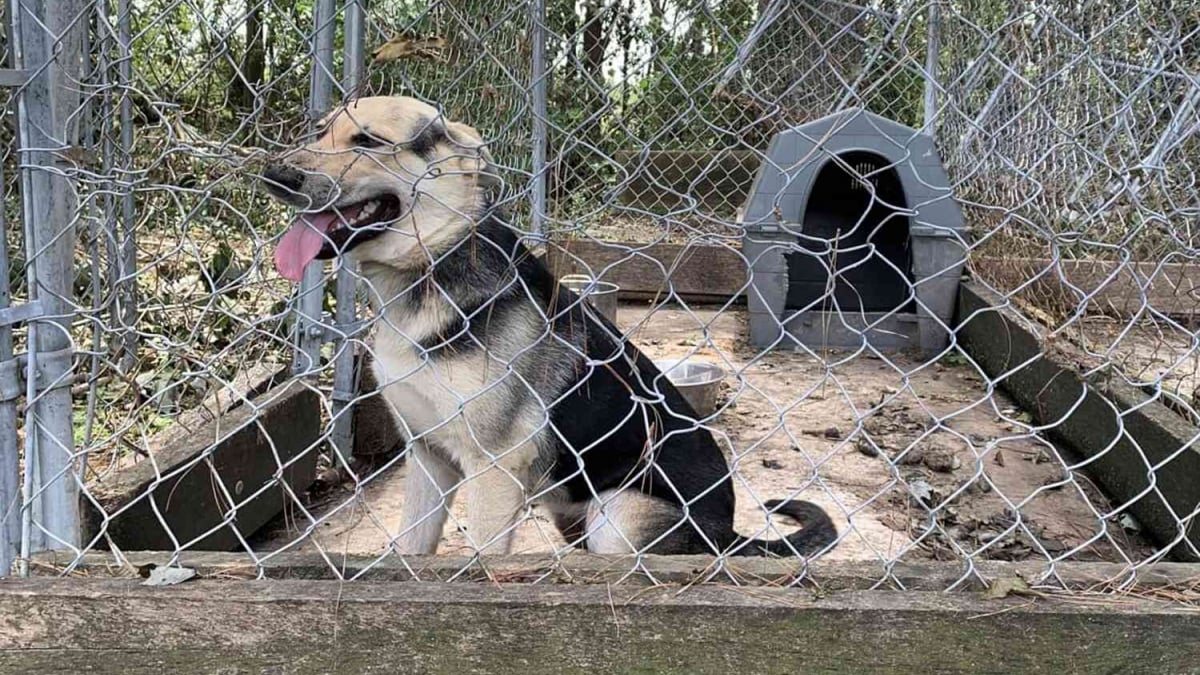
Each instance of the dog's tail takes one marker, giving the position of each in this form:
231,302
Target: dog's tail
818,532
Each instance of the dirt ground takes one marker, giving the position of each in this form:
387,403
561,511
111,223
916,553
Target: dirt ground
914,460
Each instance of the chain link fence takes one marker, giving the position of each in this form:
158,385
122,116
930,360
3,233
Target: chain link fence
145,324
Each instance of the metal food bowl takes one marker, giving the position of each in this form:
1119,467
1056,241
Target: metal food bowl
600,294
697,381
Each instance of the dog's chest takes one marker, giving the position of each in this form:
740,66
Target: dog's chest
435,393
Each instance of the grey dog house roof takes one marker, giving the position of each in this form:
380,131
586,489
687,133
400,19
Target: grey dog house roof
795,157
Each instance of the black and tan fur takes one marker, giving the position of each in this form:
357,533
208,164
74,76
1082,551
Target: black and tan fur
512,391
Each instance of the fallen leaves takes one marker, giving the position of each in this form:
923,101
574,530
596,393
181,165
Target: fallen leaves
407,47
1006,586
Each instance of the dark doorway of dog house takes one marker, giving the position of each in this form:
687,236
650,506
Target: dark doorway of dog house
856,234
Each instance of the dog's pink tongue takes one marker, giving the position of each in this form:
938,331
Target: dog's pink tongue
301,243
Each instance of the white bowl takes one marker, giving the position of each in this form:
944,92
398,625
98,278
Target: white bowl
699,382
599,294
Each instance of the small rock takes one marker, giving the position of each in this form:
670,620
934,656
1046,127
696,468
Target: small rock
1042,457
1054,546
998,458
981,486
772,464
866,447
833,433
942,461
913,456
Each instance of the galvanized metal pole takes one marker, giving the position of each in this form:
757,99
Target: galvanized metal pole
10,484
126,304
45,105
540,127
10,385
309,332
103,242
932,50
347,278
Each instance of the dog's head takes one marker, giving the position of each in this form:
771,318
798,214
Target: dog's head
385,176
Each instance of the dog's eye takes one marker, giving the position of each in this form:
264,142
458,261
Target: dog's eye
364,140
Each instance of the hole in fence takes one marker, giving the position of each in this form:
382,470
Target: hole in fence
865,226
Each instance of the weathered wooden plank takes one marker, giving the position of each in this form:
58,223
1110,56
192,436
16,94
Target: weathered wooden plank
585,568
81,625
185,489
225,397
1119,289
1118,427
705,272
702,273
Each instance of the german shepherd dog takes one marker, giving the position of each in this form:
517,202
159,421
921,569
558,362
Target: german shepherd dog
508,388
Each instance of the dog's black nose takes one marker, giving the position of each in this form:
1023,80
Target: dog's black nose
284,178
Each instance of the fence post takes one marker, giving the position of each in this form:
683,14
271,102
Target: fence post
44,107
10,490
347,277
309,330
126,296
540,128
932,50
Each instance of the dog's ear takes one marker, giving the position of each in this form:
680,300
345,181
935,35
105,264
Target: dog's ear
476,160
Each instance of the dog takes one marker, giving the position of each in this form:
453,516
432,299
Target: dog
507,385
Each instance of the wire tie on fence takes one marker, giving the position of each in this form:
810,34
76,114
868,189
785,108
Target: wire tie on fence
340,331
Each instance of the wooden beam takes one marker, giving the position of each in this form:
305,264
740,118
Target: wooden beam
710,273
1117,289
578,567
194,482
700,273
244,386
206,626
1119,428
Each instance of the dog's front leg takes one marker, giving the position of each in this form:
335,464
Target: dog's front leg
429,487
495,498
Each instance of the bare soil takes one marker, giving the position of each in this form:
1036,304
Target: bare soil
914,460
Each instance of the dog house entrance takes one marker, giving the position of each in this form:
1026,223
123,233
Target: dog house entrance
855,228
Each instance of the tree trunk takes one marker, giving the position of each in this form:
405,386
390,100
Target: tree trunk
253,64
594,39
